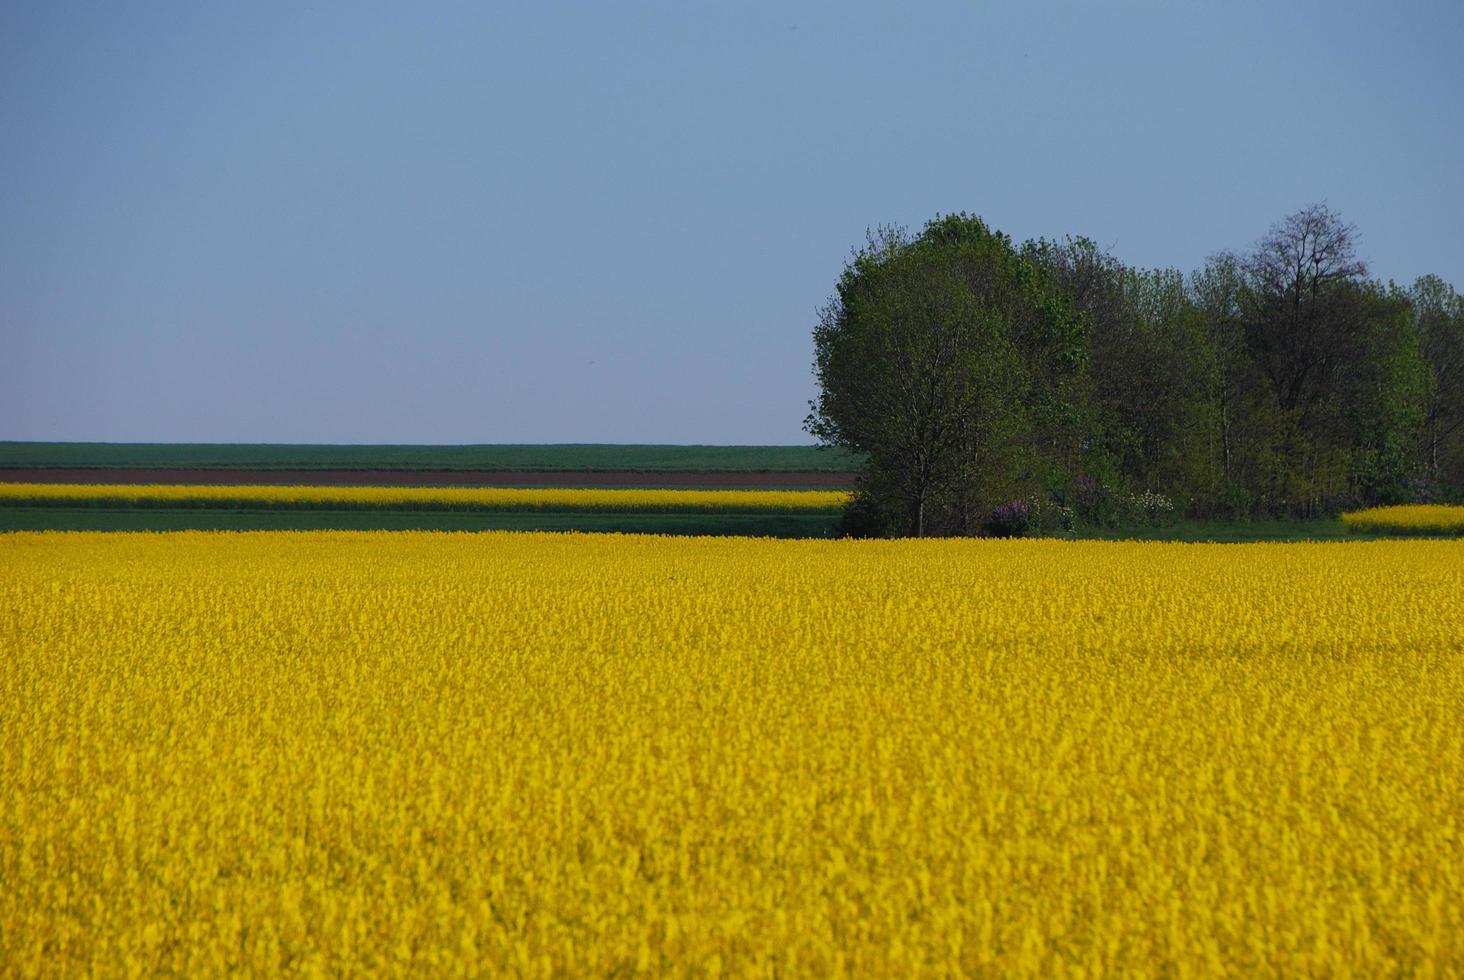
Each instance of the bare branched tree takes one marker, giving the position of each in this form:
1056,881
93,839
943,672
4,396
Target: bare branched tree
1300,273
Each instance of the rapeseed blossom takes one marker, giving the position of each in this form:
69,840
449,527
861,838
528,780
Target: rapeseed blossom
1433,519
556,499
587,755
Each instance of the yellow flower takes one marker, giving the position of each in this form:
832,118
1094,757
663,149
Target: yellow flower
1435,519
583,755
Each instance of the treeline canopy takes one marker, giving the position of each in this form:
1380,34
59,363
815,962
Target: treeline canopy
1284,380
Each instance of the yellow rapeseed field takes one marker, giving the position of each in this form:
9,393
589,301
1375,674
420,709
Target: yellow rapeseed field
594,755
420,498
1438,519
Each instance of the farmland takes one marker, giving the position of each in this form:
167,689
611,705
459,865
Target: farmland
491,499
128,467
762,513
1410,519
117,507
806,525
599,754
492,458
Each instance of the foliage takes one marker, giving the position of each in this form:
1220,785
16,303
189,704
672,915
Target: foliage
1277,382
1011,520
868,515
576,755
1094,504
1438,322
1153,509
946,359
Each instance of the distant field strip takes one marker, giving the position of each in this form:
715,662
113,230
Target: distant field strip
568,456
1428,519
468,499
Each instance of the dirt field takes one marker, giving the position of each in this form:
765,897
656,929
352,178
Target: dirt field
480,478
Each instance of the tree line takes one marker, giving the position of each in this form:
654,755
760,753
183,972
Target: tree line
978,375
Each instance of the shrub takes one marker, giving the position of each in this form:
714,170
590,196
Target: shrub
1094,504
1010,520
1153,509
865,517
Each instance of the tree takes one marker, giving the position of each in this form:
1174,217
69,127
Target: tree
925,360
1344,375
1302,325
1148,365
1218,292
1279,381
1438,318
1378,408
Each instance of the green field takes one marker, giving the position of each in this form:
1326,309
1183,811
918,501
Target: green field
1233,532
587,456
757,525
151,519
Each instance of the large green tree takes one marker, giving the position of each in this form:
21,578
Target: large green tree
946,358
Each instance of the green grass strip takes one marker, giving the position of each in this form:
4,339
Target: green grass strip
156,519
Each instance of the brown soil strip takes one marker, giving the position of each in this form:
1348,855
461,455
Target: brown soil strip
450,478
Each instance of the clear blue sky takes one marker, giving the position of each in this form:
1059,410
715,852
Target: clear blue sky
543,222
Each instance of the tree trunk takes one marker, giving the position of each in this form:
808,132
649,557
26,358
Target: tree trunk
1225,438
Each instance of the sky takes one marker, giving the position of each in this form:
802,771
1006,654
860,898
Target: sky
550,222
